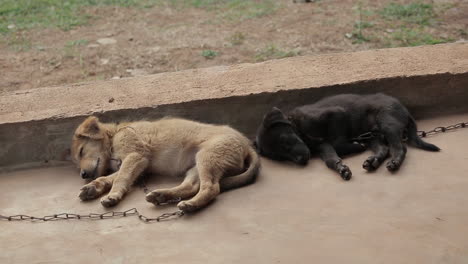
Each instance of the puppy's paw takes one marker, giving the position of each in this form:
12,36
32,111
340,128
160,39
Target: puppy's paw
393,165
110,200
187,206
371,163
345,173
89,192
156,197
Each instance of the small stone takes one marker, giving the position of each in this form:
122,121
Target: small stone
11,26
104,61
116,78
137,72
111,99
349,35
106,41
93,46
389,30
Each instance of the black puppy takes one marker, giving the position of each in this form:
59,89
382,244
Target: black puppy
329,126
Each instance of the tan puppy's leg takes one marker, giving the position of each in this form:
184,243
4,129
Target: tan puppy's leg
188,188
132,166
209,175
97,187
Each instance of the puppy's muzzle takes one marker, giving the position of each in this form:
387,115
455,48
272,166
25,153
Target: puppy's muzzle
85,174
301,154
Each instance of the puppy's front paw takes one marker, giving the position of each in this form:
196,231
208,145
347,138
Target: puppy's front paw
88,192
110,200
371,163
345,172
156,197
393,165
187,206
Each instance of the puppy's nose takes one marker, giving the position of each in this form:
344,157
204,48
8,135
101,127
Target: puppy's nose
302,160
84,174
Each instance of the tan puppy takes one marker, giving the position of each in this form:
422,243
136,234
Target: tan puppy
212,158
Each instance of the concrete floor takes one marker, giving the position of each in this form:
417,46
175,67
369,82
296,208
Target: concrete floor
290,215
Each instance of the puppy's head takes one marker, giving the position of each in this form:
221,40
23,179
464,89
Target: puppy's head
90,149
276,139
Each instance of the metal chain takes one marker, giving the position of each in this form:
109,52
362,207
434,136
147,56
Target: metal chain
93,216
106,215
442,129
421,133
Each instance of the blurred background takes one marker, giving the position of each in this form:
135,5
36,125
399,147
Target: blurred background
55,42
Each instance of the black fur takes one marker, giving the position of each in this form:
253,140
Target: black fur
328,127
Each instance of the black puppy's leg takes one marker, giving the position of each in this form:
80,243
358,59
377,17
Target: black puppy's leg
333,161
397,150
392,128
347,148
380,154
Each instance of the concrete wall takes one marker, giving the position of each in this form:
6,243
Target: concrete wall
36,125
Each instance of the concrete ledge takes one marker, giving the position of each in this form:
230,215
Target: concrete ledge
36,125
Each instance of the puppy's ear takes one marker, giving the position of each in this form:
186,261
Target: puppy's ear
273,116
90,128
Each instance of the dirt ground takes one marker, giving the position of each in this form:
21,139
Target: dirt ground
120,42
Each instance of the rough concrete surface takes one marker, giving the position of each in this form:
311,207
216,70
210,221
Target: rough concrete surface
36,125
290,215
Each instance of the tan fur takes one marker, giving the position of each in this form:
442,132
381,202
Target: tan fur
212,158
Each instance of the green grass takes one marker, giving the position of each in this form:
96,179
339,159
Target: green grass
237,39
233,10
398,25
209,54
71,48
416,13
67,14
63,14
78,42
19,43
413,37
272,52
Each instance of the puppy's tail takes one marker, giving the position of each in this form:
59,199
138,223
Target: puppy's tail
246,177
415,140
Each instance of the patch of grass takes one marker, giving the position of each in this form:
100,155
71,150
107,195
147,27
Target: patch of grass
463,33
413,37
357,35
416,13
71,48
67,14
78,42
234,10
273,52
237,38
63,14
209,54
19,43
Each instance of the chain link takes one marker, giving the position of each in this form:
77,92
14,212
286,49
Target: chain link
421,133
106,215
94,216
442,129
